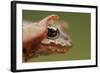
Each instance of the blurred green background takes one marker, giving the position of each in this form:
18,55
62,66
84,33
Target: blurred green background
79,31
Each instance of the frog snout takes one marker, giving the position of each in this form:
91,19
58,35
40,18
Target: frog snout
69,43
64,42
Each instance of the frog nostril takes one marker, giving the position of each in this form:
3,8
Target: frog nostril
66,38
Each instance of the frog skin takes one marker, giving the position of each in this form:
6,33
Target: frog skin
55,41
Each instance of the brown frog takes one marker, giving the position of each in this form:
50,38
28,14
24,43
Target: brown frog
51,38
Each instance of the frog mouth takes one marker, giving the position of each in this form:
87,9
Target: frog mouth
48,47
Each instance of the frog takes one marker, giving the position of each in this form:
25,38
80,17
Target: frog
56,40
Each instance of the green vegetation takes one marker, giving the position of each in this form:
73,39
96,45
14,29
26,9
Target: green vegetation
79,31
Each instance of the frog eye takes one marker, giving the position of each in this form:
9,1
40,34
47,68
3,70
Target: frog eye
52,32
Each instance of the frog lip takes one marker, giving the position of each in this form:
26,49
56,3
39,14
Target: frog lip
55,48
58,44
55,45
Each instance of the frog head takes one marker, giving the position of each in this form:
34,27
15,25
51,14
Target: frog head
57,39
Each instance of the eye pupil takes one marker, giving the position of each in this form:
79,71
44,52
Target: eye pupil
52,32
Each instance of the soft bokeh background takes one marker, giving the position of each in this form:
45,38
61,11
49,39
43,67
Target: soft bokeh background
79,31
